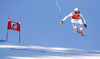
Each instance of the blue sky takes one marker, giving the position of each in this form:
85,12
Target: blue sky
40,24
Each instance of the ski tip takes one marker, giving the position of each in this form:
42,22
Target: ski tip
80,34
83,35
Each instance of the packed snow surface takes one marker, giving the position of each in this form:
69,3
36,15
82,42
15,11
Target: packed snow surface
9,50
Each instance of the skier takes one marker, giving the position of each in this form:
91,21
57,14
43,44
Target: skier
75,19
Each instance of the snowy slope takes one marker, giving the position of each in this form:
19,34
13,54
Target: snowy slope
10,50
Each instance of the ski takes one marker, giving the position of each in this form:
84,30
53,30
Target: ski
80,34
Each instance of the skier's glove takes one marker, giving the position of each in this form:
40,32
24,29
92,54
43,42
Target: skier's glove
61,22
85,25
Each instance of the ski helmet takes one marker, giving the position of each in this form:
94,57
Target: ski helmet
76,10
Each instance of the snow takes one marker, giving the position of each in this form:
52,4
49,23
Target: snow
10,50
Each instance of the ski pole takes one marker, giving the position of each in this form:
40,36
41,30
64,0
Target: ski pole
59,10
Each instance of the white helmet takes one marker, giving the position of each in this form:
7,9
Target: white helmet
76,10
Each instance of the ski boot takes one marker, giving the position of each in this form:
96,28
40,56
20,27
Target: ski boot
76,30
80,32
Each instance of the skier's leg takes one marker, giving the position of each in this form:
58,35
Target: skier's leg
73,21
81,25
74,25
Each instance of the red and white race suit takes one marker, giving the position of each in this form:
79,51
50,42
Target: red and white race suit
75,19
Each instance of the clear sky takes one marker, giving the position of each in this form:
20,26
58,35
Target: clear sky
40,24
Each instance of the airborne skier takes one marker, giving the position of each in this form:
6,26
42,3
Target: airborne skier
75,19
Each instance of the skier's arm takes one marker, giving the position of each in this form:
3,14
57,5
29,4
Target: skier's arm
83,18
83,21
66,18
